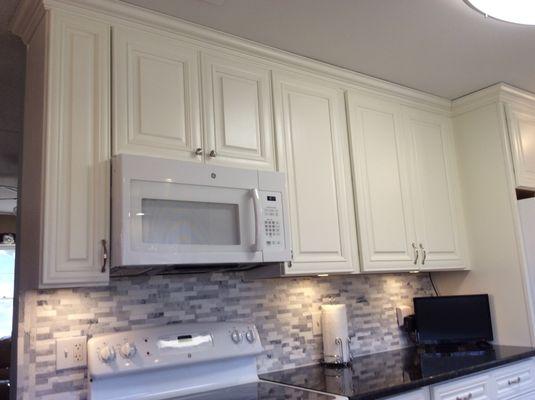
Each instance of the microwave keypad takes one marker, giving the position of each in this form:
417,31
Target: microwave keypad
272,231
274,236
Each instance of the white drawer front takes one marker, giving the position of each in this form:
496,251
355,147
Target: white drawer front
525,396
514,379
473,388
420,394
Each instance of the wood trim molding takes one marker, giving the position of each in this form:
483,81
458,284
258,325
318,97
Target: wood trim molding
27,16
116,11
30,12
500,92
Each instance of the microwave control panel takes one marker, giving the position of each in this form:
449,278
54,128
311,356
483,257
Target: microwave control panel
273,219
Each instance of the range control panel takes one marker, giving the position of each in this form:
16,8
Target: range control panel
273,219
170,345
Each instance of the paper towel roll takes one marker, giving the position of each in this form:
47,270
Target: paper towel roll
335,334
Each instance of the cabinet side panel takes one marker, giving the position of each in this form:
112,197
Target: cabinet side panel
487,196
32,161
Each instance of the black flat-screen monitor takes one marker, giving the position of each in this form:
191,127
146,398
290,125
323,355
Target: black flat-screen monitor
453,319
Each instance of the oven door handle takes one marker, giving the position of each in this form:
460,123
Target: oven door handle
259,220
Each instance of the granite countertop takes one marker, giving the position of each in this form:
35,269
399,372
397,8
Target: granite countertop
386,374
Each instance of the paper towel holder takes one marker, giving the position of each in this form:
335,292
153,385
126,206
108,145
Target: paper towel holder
339,359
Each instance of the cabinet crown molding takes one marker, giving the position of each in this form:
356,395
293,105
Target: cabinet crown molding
500,92
114,11
26,18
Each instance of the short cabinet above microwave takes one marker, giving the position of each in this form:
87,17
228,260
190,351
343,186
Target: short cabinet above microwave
168,212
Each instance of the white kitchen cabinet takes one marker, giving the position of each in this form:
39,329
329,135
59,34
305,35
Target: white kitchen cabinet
420,394
237,113
156,93
436,191
313,151
381,168
521,128
184,92
65,218
514,380
406,187
475,387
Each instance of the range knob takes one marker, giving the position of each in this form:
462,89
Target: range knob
106,354
128,350
236,336
249,335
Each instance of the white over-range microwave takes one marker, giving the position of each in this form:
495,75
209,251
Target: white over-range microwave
168,212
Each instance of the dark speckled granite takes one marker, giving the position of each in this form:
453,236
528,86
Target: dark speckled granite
386,374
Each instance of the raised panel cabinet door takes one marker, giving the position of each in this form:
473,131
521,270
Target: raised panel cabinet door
155,96
381,181
77,155
436,192
521,126
237,113
311,128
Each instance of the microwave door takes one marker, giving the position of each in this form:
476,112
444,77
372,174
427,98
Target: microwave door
174,223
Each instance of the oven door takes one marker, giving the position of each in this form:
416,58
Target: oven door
181,222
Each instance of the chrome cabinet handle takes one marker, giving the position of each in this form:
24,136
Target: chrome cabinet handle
424,254
416,253
198,151
514,381
467,397
104,255
212,153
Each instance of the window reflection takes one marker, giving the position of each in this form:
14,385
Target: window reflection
7,278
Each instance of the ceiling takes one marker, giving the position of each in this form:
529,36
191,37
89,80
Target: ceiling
437,46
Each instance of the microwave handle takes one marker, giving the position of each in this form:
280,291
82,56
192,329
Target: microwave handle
259,218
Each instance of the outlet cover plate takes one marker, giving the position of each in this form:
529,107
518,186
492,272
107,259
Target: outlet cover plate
71,352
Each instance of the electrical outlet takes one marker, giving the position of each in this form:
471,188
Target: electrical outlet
71,352
316,323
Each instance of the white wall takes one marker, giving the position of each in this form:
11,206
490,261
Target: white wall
490,207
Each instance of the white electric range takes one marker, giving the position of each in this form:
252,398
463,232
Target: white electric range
194,361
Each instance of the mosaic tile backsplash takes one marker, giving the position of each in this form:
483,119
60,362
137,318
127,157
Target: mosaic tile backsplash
281,309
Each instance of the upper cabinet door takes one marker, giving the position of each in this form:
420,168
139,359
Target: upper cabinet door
155,96
521,124
77,154
313,150
237,113
436,191
384,204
